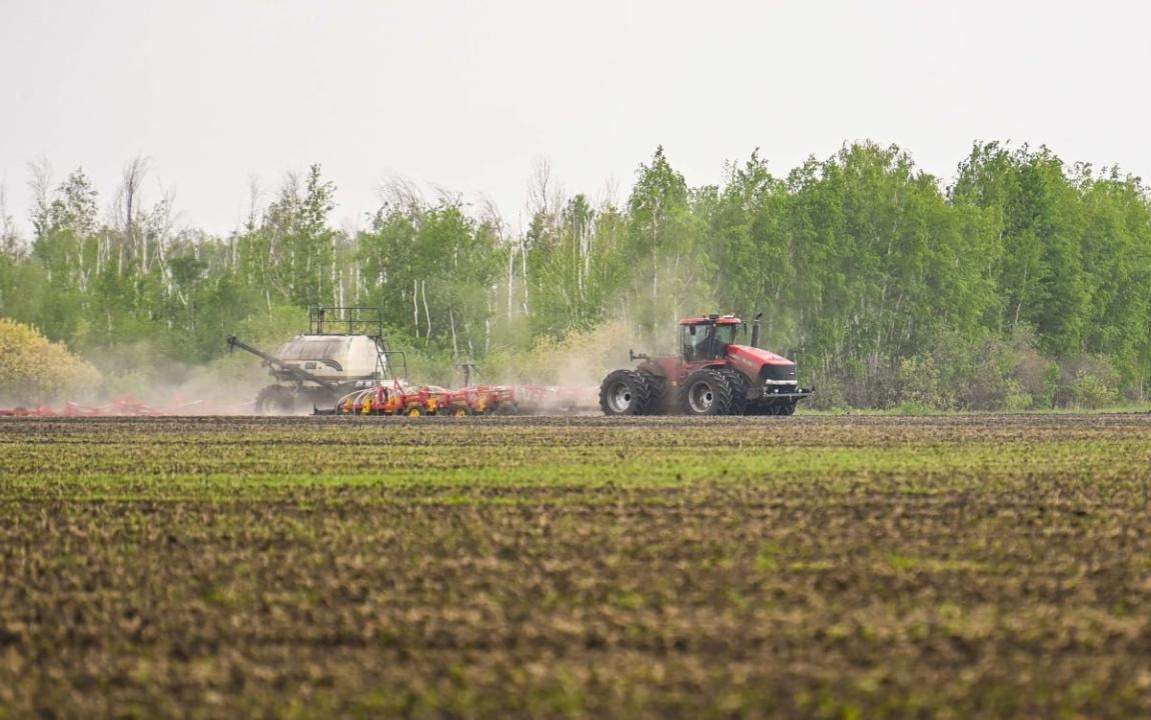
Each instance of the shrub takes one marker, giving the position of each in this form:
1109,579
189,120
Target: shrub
1087,381
1092,391
829,392
922,384
36,370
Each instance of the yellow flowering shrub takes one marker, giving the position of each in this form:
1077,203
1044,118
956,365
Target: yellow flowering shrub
35,370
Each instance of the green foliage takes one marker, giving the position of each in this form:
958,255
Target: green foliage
431,269
1025,285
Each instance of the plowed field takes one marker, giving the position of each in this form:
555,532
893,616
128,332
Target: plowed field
838,567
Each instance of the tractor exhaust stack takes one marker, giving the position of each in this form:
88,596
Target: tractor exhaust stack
755,330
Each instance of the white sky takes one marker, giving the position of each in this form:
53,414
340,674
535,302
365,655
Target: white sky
470,95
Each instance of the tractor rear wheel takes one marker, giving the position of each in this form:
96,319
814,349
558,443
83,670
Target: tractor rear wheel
706,392
656,401
625,392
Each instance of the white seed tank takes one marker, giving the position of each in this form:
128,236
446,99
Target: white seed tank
337,358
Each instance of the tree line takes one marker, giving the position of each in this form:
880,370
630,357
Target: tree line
1021,282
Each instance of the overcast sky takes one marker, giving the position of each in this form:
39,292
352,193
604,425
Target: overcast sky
470,95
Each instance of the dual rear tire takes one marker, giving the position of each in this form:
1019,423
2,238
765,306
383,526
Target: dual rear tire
631,392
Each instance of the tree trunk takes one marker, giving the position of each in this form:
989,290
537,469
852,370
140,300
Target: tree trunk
452,323
427,312
416,306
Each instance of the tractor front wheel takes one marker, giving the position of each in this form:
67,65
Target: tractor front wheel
739,387
706,392
625,392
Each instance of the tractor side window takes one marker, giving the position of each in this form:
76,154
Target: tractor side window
696,345
687,343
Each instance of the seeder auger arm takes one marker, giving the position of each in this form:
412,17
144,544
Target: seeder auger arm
280,365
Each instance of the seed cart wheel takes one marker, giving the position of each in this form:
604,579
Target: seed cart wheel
414,411
276,400
460,412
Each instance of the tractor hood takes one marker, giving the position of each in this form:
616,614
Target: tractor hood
760,364
753,358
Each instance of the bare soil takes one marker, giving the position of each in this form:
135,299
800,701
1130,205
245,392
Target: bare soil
588,567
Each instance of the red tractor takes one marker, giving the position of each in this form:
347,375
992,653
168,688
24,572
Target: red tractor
711,376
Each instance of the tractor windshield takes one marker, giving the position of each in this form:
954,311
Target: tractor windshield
706,342
724,336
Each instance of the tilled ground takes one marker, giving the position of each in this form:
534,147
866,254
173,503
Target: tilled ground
806,566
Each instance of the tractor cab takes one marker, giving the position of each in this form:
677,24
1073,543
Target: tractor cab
706,338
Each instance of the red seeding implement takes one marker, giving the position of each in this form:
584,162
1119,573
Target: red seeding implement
400,399
712,375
